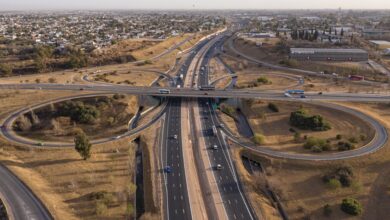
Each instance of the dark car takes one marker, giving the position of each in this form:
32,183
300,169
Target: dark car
168,169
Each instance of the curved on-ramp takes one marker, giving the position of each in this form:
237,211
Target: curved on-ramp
7,132
379,140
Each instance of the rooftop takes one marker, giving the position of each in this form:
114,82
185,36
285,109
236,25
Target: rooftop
380,42
326,50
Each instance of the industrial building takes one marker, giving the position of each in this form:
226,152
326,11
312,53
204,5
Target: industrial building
328,54
380,44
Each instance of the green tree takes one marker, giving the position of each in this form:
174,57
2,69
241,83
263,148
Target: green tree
82,145
5,69
259,139
351,206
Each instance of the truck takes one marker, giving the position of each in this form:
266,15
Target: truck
295,91
181,76
164,91
207,88
356,78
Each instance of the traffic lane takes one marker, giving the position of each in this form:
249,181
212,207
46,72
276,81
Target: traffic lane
178,200
232,197
23,203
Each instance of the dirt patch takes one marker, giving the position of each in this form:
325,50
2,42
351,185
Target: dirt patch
255,81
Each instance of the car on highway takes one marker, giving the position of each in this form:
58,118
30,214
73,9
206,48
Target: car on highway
214,147
320,93
303,96
221,125
219,167
168,169
175,137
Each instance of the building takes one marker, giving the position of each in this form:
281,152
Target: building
328,54
386,52
376,34
380,44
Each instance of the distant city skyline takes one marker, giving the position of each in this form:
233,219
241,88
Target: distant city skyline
191,4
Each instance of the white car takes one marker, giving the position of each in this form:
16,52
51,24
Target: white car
215,147
219,167
175,136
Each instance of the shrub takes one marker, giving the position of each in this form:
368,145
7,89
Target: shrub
258,139
78,112
263,80
273,107
351,206
315,143
101,208
343,146
302,120
343,174
333,184
353,140
327,210
363,137
316,149
297,137
338,137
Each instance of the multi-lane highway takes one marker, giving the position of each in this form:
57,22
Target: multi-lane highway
235,203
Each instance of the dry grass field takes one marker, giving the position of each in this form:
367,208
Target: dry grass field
99,188
276,128
304,194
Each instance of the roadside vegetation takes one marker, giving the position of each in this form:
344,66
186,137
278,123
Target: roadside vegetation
303,120
61,121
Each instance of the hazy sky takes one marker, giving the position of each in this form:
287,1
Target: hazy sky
192,4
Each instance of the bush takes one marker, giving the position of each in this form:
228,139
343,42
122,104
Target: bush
353,140
327,210
333,184
302,120
289,62
259,139
297,137
343,174
343,146
273,107
316,144
263,80
351,206
338,137
79,112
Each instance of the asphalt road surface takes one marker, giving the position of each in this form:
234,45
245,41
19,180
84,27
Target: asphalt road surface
235,202
24,204
176,194
185,92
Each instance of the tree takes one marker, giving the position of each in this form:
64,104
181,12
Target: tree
82,145
5,69
351,206
258,139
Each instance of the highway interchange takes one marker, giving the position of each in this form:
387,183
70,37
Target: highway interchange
176,197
